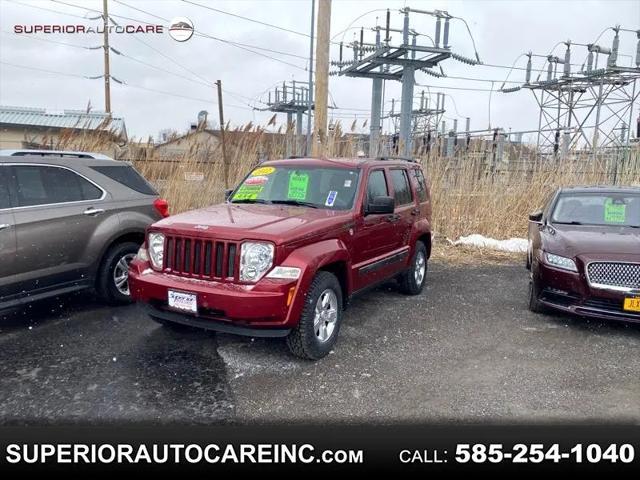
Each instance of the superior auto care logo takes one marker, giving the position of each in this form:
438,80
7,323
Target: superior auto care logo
180,29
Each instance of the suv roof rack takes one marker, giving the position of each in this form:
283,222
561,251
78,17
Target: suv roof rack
406,159
54,153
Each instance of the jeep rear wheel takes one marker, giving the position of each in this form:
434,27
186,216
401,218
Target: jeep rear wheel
412,281
317,331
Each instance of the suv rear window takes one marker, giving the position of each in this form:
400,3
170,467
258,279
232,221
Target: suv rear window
127,176
401,190
4,188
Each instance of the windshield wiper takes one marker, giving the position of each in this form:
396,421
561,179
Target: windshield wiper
295,202
250,200
569,223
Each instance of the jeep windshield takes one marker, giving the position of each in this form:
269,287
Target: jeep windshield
299,185
600,209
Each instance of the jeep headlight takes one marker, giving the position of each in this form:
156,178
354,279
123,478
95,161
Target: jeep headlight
156,249
256,259
563,263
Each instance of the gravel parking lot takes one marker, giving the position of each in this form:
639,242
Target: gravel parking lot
466,350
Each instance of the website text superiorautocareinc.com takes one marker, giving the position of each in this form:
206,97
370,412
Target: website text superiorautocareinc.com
175,453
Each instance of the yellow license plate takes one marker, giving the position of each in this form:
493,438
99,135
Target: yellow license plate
632,304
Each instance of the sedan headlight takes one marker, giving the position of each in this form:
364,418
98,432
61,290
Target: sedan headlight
256,259
156,249
561,262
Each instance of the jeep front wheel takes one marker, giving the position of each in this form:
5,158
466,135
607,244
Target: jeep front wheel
317,331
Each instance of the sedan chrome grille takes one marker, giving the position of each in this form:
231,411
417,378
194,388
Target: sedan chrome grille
614,275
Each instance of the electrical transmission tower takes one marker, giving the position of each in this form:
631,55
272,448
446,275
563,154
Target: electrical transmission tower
589,109
426,119
291,98
383,61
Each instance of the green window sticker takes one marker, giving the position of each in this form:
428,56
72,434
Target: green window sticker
614,212
298,184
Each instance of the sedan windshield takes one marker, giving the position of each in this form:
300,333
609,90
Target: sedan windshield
614,209
300,185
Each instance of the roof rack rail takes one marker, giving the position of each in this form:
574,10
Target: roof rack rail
293,157
53,153
406,159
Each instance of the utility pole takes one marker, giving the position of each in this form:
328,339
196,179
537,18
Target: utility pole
322,78
107,75
307,149
224,146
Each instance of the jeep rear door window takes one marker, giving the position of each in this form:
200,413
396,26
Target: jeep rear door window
421,185
127,176
377,186
331,188
401,190
44,185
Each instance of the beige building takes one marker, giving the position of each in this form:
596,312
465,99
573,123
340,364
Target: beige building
22,127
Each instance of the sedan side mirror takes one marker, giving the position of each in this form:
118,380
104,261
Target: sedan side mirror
536,216
381,205
227,193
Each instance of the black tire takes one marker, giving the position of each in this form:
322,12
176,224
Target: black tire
105,283
408,280
534,297
304,341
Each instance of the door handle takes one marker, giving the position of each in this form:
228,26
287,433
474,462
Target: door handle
4,226
415,211
92,212
393,218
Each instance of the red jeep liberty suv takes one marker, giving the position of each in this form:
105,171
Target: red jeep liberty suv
288,249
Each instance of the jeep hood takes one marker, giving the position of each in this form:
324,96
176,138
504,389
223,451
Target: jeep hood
276,223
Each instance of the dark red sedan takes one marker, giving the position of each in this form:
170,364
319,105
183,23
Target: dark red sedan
584,253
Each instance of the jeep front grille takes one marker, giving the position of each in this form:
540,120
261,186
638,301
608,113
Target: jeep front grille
201,258
615,275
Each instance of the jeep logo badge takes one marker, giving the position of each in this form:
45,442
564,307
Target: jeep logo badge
181,29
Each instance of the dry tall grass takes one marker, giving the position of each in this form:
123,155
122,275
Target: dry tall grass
472,193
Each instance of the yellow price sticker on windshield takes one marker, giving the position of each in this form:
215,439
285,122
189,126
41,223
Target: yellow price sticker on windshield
263,171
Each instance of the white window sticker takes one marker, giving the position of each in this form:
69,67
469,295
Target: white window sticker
331,198
347,183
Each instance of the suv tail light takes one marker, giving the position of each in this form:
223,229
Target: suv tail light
162,206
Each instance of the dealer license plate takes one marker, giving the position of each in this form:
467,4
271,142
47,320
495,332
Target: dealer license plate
632,304
183,301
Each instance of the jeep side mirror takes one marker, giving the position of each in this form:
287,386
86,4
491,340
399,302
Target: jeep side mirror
381,205
536,216
227,193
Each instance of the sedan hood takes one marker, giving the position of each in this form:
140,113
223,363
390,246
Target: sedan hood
576,240
277,223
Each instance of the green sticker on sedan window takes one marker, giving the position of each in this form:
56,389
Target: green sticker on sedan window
614,212
298,184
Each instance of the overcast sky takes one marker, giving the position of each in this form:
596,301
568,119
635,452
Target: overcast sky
502,30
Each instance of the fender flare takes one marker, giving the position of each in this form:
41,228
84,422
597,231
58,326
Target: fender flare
312,258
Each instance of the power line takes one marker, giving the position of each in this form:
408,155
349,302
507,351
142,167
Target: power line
242,46
84,77
18,35
52,10
247,19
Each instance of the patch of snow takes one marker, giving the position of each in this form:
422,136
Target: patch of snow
518,245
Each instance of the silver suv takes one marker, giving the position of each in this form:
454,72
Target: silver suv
70,221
